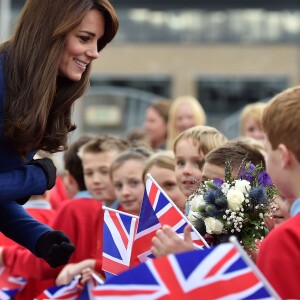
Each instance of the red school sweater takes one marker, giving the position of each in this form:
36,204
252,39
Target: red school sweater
279,258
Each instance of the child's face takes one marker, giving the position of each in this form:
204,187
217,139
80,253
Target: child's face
253,129
282,213
167,180
276,171
128,185
188,160
96,174
211,171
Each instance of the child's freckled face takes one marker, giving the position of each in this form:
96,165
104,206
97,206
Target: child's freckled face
188,161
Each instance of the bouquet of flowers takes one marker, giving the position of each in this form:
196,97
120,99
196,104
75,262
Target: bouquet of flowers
237,206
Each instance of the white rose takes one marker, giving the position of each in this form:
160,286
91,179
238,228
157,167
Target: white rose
243,186
235,199
193,217
196,201
213,226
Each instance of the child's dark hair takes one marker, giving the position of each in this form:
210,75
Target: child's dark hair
235,152
72,162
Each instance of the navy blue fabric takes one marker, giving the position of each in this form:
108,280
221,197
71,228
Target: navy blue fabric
17,181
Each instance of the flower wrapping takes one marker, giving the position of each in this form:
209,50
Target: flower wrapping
237,206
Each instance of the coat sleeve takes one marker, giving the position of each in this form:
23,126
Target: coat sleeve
21,183
20,260
20,226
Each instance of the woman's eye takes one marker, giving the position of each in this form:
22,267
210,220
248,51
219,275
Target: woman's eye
84,38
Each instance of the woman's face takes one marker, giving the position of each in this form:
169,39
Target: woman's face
184,117
155,127
81,46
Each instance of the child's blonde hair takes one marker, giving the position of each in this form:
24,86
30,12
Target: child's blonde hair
281,120
162,159
254,111
205,137
199,116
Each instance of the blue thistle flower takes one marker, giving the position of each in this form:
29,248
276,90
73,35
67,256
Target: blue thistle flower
221,202
258,195
211,195
211,210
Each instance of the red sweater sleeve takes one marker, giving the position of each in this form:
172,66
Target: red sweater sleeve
82,221
279,258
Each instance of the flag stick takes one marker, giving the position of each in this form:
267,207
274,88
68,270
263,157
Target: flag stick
183,216
120,212
97,278
250,262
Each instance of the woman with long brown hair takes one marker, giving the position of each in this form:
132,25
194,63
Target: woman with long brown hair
44,68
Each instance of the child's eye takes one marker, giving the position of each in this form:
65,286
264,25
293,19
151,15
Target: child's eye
169,185
118,186
104,172
134,183
180,163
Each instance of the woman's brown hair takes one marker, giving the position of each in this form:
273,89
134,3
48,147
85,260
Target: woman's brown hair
38,102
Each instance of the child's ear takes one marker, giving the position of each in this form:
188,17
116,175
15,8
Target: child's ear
286,156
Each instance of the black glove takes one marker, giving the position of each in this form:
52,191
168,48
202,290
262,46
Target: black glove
49,169
23,201
47,165
55,248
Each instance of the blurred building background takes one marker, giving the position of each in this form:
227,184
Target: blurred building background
226,53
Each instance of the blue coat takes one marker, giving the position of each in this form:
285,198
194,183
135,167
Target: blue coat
17,181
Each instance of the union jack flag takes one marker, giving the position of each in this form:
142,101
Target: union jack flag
9,285
69,291
118,234
86,293
157,210
216,273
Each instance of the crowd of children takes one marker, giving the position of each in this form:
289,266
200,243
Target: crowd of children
108,171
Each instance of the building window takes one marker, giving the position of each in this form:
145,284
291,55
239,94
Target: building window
209,26
155,84
224,97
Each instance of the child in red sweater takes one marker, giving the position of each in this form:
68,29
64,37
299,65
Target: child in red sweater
279,252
